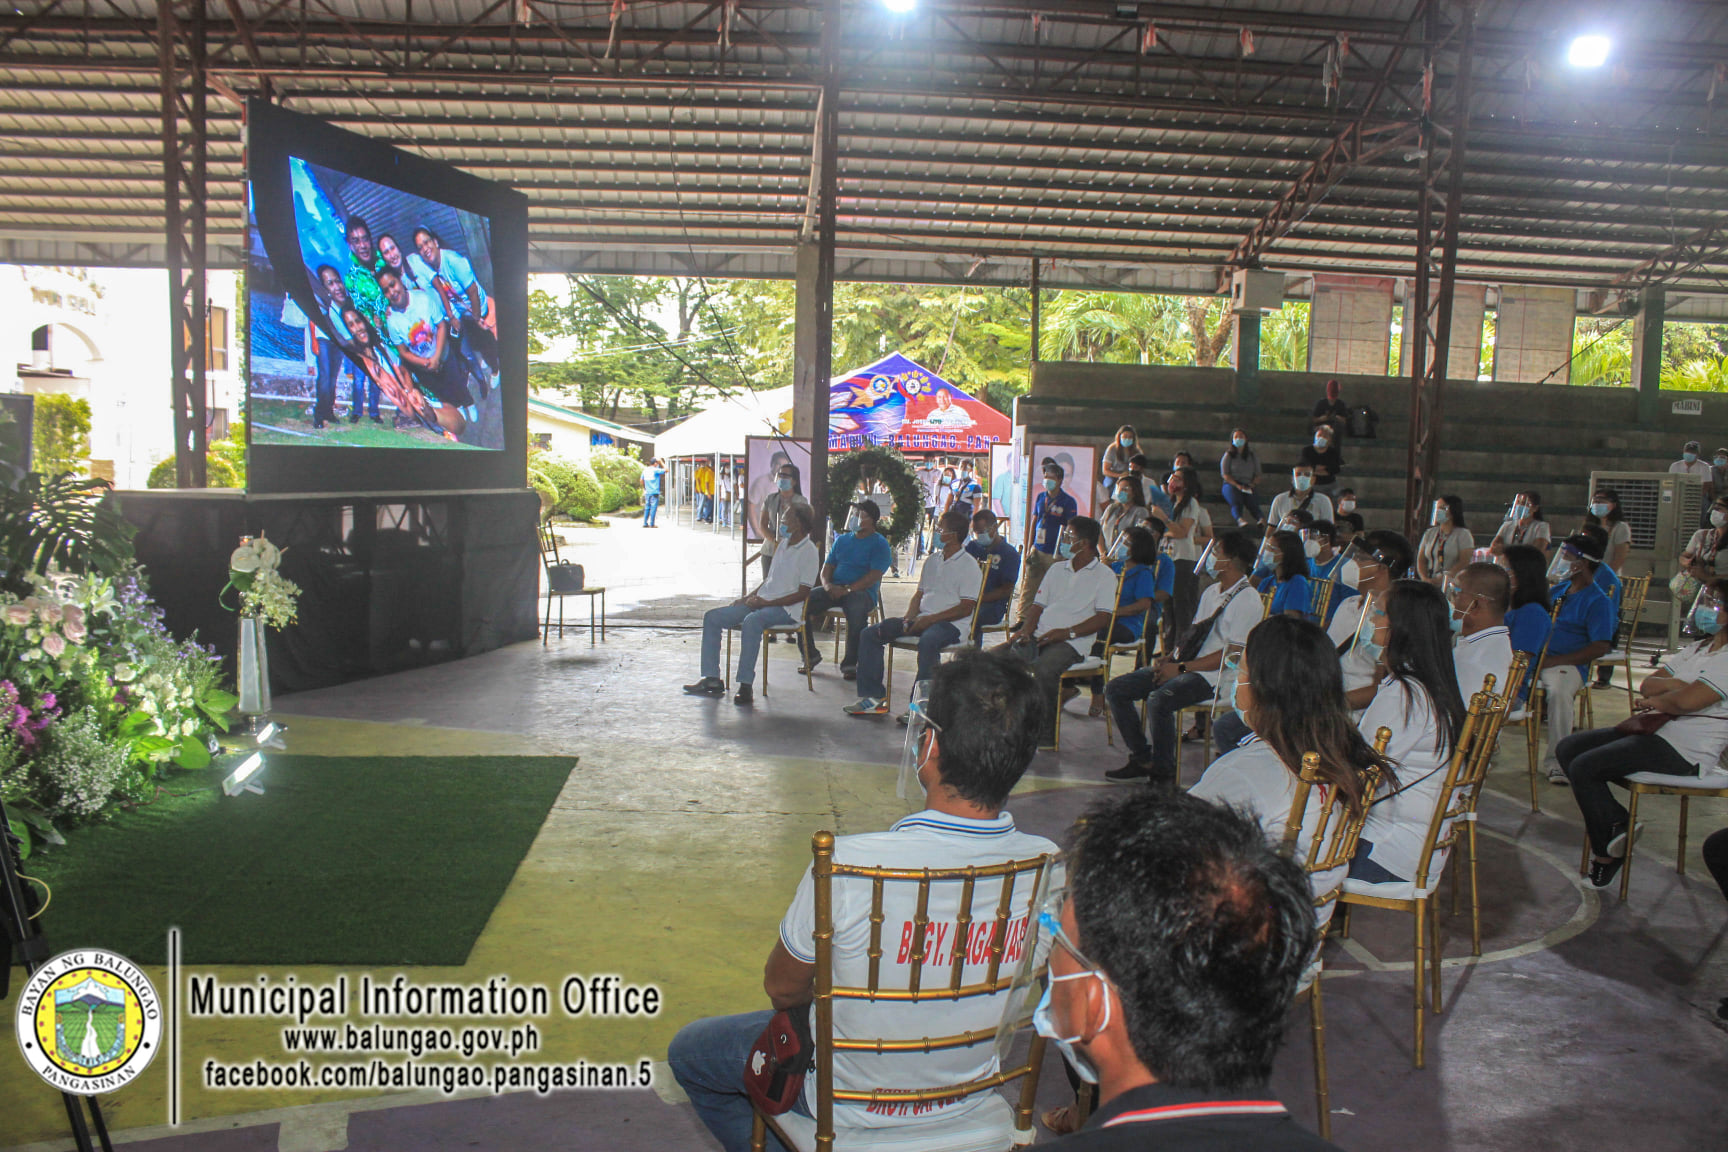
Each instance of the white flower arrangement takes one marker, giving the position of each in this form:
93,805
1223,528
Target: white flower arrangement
48,625
265,594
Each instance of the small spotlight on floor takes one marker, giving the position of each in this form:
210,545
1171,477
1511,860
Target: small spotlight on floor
900,7
1588,52
270,735
239,780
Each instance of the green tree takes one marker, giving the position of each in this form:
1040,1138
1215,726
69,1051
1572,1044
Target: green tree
1601,352
1284,338
61,434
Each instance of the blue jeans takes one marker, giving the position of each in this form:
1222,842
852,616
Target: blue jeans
873,649
330,361
707,1058
364,389
650,505
1229,730
1243,506
1125,692
856,605
750,622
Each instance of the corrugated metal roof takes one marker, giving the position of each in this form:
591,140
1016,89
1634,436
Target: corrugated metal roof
1101,135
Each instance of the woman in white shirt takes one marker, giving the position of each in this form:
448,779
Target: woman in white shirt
1419,700
1127,510
1447,546
1291,692
1524,524
1182,543
1605,513
1690,689
1705,553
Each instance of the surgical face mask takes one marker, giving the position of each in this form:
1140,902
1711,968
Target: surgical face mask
852,522
1236,696
1211,565
1122,497
785,483
1456,619
1239,442
1065,549
1346,505
1718,517
1372,650
1599,509
1289,526
984,538
1722,461
1707,618
1051,483
1125,441
1560,570
1439,516
785,532
1320,443
1302,483
1045,1025
1689,457
1520,512
1263,558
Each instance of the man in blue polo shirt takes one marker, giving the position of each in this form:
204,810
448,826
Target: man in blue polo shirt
850,578
1609,581
1051,512
1583,630
987,541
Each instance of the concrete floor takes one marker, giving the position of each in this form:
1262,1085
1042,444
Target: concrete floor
674,847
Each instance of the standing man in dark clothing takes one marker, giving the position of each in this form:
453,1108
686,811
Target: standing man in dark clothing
1176,951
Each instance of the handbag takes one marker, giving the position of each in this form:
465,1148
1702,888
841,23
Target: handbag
564,579
1642,723
774,1070
1194,639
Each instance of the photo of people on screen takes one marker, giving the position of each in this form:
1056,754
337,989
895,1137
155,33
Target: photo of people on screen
405,351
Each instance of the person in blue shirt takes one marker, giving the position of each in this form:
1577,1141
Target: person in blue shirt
1327,562
652,480
1527,619
1146,588
1051,512
1141,469
1584,629
850,578
1288,582
986,542
1609,581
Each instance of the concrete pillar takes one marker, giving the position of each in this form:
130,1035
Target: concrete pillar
805,380
1647,354
1246,354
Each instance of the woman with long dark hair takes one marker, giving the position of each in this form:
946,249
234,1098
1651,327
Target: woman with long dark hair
1447,544
1240,468
1707,551
1127,510
1148,578
1528,618
1290,691
1524,524
1288,582
1605,514
1418,699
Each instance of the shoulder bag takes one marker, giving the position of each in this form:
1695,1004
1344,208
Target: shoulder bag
782,1054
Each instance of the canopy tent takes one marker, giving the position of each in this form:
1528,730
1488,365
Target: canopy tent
722,426
900,402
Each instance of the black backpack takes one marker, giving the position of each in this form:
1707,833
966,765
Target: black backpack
1362,422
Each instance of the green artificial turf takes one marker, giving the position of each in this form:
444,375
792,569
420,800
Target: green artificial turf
342,860
290,422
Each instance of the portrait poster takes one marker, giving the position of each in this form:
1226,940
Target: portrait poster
1004,479
1079,471
763,457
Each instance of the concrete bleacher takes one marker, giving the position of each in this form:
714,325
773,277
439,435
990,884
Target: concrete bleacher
1497,439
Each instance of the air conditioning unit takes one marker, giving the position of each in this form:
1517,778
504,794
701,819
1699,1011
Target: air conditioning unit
1255,291
1663,509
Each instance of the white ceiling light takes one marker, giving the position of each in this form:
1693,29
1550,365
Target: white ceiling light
900,6
1588,52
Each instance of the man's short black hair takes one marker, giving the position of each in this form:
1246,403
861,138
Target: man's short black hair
1323,528
1052,466
1138,460
1238,546
869,506
988,713
1200,924
1393,549
955,522
984,515
1354,520
1591,546
1087,529
1302,517
357,222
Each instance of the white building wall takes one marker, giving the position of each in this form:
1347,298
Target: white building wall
109,327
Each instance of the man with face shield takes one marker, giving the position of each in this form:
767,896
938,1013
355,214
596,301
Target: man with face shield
1479,597
1174,955
1584,629
978,734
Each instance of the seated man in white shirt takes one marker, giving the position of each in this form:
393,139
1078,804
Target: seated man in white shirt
984,712
778,600
1075,601
1301,497
1227,612
1480,595
947,593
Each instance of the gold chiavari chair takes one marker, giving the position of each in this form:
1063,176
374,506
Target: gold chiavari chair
1713,784
1333,842
1463,774
1535,708
1320,599
1633,591
991,1124
1141,650
1488,741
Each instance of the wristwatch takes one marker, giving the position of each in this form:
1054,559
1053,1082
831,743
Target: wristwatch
1181,669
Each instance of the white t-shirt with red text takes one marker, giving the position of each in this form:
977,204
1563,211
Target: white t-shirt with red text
925,839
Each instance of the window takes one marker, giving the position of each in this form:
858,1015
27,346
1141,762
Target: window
216,340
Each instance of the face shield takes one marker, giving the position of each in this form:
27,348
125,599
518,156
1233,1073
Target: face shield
909,787
1027,988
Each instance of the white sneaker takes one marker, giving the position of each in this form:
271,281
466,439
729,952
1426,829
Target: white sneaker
1517,715
1557,775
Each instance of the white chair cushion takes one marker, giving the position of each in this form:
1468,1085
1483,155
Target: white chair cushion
1390,890
1705,780
908,642
1087,664
986,1127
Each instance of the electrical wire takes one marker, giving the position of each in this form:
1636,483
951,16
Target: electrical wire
46,900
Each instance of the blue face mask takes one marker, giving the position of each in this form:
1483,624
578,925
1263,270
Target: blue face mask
1045,1025
1320,443
784,483
1689,457
1707,618
1456,621
1051,483
1211,565
1598,510
1372,650
1236,696
785,532
1065,550
1122,497
1239,442
1126,441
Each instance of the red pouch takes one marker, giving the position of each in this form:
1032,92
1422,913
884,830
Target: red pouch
774,1070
